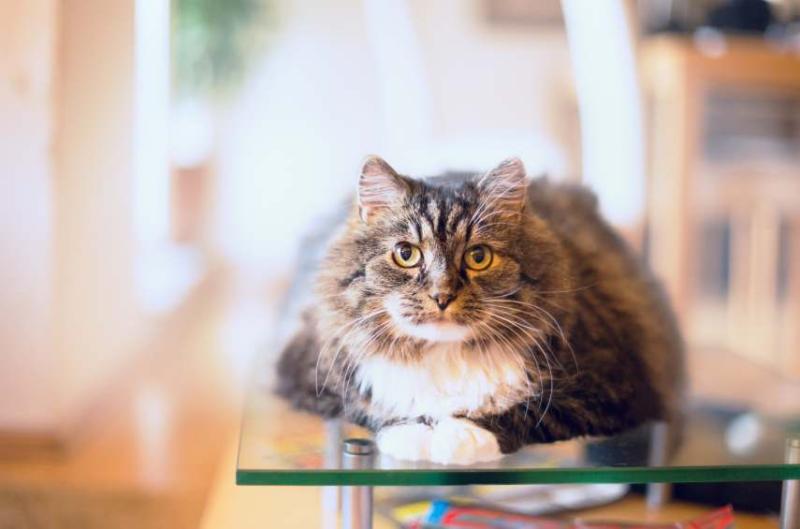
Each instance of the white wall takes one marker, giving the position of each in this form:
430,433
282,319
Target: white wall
27,35
429,85
94,307
67,313
293,141
498,90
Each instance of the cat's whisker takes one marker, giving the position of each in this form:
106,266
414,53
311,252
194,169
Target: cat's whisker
486,211
504,295
517,314
550,393
500,192
489,225
551,377
515,353
551,380
353,360
341,342
353,325
322,353
563,336
566,291
337,336
517,323
520,362
351,368
498,195
556,325
540,313
515,317
391,345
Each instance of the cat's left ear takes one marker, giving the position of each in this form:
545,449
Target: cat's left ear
379,188
504,187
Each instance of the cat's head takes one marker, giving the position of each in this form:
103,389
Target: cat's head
433,261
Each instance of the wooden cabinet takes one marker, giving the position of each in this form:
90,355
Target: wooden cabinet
724,192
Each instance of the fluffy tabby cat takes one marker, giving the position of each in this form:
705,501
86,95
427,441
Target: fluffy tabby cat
462,318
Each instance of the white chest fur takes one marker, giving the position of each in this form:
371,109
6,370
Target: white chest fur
445,382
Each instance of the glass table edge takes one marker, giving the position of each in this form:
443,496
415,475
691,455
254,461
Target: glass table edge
416,477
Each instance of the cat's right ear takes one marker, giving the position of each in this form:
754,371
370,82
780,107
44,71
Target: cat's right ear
379,188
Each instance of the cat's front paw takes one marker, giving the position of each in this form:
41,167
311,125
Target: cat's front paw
410,442
462,442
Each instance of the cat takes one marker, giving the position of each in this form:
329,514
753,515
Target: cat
463,317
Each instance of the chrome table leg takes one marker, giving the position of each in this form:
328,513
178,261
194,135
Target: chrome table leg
333,459
357,500
658,493
790,504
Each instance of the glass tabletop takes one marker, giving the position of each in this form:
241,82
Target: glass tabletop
281,446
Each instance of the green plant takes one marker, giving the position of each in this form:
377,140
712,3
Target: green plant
212,41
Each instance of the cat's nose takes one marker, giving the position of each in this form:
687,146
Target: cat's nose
442,299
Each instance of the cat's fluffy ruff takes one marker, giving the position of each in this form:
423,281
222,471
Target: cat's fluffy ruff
446,382
564,334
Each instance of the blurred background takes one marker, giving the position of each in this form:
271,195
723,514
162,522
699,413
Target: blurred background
160,161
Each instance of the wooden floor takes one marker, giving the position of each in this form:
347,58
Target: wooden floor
159,451
149,452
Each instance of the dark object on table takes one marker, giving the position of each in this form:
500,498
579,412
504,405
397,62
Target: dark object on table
742,16
631,448
762,497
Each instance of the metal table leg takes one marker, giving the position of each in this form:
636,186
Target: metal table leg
790,505
357,501
658,494
333,459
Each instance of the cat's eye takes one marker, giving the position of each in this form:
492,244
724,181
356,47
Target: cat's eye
406,255
478,257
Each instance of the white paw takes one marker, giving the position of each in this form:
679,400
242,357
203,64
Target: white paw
411,442
462,442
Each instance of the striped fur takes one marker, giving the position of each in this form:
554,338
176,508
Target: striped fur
564,305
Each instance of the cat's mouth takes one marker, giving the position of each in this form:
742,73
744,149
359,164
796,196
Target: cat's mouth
438,329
